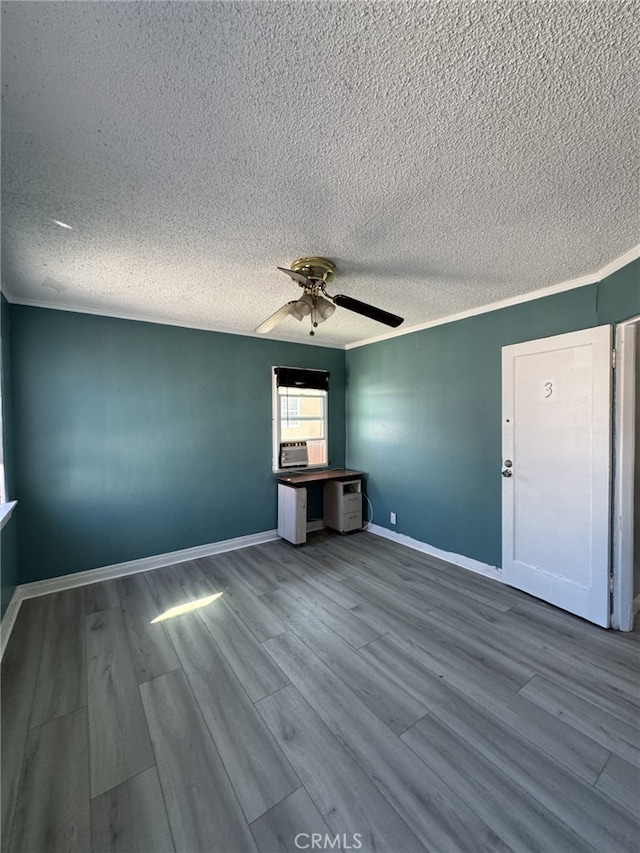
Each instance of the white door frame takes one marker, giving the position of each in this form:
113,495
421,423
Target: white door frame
627,334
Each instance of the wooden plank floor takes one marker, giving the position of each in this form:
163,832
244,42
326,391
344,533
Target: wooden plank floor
351,689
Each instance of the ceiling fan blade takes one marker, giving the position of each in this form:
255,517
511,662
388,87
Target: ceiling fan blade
272,321
367,310
297,276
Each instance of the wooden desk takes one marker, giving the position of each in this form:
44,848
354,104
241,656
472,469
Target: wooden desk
292,501
297,480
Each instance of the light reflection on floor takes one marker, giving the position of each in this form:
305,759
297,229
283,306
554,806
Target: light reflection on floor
186,608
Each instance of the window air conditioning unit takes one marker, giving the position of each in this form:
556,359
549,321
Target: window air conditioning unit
294,454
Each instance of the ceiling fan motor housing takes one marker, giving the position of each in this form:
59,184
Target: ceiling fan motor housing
315,268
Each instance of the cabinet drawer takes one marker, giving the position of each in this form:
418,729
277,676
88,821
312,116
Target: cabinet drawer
352,521
352,503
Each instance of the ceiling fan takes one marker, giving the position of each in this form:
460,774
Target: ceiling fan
312,274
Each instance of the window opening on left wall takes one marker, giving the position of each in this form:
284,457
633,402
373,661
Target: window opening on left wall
3,481
300,413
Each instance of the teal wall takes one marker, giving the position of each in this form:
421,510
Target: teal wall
135,439
424,413
8,552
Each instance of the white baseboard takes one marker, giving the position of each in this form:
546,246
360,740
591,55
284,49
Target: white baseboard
457,559
8,620
118,570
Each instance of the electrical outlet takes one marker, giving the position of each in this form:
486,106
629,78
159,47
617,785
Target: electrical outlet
392,517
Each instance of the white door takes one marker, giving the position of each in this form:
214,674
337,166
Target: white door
556,444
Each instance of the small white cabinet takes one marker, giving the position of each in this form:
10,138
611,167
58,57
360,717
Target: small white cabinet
292,514
343,505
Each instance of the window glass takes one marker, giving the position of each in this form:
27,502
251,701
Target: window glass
301,415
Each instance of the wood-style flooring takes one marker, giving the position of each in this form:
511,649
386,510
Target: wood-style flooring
348,694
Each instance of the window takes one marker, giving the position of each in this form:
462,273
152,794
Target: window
3,482
300,412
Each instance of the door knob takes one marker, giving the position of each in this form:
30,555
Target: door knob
507,473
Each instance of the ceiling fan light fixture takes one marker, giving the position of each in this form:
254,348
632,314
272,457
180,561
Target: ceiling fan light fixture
324,309
294,311
302,308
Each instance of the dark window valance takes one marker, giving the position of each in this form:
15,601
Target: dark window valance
298,377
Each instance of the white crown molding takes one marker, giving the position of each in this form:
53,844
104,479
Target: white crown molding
618,263
593,278
138,318
457,559
118,570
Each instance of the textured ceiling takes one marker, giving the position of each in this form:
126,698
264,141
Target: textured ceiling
445,155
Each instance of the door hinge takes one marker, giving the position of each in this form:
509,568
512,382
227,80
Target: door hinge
613,358
611,595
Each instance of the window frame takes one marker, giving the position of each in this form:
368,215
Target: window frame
276,430
6,505
4,498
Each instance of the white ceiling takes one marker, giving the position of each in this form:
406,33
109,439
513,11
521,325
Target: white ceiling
445,155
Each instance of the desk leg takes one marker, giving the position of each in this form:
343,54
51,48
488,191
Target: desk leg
292,514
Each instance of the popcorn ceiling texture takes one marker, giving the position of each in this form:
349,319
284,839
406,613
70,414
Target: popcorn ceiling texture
444,155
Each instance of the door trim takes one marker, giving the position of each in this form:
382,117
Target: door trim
624,430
